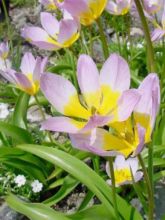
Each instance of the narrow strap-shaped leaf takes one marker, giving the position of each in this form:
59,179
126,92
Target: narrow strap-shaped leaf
19,134
34,211
84,174
68,186
20,110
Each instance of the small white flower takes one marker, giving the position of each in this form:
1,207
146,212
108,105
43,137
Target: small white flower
20,180
36,186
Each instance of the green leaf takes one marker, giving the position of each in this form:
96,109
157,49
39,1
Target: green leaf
59,68
87,176
19,134
20,110
157,162
28,168
86,200
68,186
32,210
97,212
159,175
6,154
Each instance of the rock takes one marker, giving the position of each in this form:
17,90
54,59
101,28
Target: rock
98,52
4,110
6,213
34,115
159,200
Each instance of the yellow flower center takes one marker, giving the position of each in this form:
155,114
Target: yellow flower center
122,175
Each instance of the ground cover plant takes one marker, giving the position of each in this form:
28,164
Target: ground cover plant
82,108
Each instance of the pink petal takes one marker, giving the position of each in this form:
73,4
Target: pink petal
9,75
88,79
150,97
39,68
62,124
74,8
68,29
60,92
115,73
23,82
28,63
96,121
95,142
50,24
141,136
39,38
127,103
138,176
157,34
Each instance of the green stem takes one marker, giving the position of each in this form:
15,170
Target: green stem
39,106
150,53
71,54
103,39
90,41
43,116
9,31
113,186
83,43
150,165
149,189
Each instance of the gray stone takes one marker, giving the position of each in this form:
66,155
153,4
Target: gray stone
160,200
6,213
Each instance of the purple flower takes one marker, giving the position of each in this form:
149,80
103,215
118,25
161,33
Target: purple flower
86,11
122,171
48,4
54,35
118,7
28,79
4,50
152,6
105,97
159,32
129,136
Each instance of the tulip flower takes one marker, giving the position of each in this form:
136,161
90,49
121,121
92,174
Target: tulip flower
86,11
152,6
54,34
105,97
4,50
123,169
159,32
118,7
28,80
127,137
48,4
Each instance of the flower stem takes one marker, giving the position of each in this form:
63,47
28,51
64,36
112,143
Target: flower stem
72,61
9,31
150,51
39,106
113,187
149,189
43,116
103,39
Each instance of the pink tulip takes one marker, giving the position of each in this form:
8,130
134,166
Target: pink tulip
86,11
105,97
54,35
159,32
4,50
127,137
118,7
122,171
28,79
152,6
